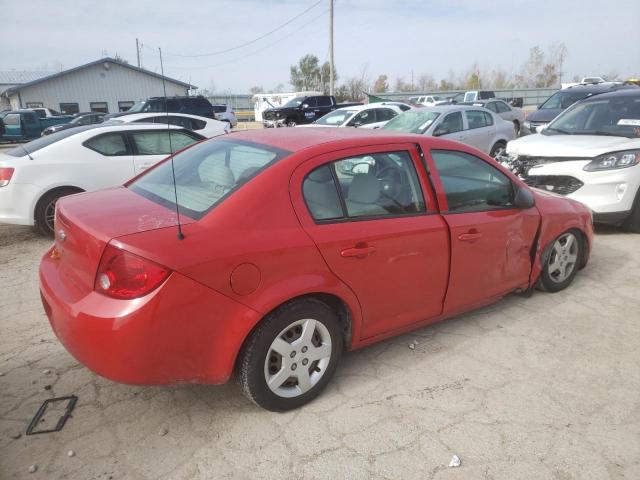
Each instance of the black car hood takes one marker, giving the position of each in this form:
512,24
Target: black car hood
270,113
544,115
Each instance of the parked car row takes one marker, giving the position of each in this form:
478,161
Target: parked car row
34,176
563,99
301,110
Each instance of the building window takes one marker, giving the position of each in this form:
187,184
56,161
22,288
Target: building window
35,104
69,108
99,107
124,106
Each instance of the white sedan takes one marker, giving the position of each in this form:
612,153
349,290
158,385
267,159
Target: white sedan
202,125
372,115
591,153
475,126
33,176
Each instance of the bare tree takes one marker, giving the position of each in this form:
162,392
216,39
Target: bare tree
402,86
426,83
558,55
499,79
256,89
612,76
542,70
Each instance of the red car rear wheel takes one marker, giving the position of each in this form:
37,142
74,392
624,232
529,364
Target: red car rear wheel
290,357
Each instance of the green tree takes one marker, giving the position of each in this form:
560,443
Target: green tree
308,74
381,85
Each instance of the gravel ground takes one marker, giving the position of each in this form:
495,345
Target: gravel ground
541,388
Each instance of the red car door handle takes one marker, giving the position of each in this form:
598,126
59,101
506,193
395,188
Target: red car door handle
358,251
470,236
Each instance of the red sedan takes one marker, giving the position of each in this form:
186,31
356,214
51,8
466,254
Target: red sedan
297,244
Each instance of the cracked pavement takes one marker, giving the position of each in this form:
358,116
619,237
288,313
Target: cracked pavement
546,387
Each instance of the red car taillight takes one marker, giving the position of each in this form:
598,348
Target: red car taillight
123,275
5,175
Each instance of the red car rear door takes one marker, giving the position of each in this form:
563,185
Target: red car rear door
491,239
373,217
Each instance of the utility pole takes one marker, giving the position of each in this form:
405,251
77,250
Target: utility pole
331,67
138,51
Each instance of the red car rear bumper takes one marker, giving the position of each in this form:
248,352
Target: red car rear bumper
182,332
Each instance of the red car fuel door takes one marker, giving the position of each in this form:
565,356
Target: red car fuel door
491,239
373,218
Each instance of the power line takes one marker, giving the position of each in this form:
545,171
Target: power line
255,51
220,52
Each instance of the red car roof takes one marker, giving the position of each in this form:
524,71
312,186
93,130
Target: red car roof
295,139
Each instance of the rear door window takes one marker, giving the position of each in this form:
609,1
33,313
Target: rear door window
493,106
373,185
108,144
158,143
321,195
324,101
477,119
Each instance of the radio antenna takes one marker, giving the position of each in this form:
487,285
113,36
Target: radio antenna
173,170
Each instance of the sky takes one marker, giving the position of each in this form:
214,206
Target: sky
392,37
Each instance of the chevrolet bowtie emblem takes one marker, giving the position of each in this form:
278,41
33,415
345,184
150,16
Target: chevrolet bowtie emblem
61,235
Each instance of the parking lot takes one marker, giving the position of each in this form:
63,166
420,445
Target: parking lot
546,387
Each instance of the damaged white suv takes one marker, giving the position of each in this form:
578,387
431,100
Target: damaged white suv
590,153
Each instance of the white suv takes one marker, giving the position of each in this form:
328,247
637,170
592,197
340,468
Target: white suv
590,153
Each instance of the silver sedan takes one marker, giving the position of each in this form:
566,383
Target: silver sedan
475,126
504,110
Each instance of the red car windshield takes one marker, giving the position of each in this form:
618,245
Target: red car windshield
205,174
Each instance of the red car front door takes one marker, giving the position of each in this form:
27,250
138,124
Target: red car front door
490,239
373,218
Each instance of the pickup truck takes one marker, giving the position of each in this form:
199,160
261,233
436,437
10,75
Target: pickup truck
24,125
44,112
301,110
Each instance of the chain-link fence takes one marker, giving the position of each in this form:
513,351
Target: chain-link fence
529,96
242,103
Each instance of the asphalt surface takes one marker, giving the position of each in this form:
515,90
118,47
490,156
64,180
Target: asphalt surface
546,387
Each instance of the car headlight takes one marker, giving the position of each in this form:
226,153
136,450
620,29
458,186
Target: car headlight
614,160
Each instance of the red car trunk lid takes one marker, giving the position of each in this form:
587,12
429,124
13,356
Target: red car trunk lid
85,223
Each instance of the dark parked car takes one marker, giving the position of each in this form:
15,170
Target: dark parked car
301,110
79,120
199,106
563,99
